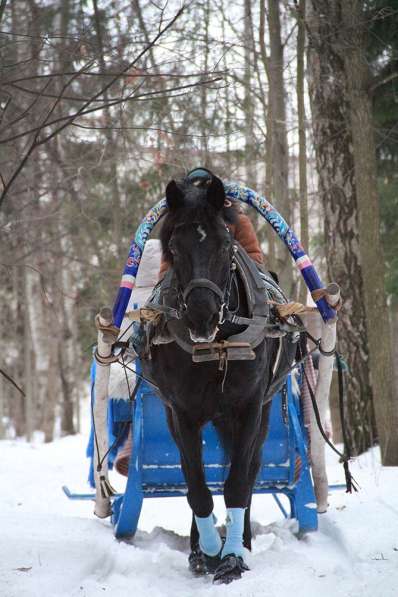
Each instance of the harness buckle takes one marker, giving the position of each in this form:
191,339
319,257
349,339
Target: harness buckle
222,351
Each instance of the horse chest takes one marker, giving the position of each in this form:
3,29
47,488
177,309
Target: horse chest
201,389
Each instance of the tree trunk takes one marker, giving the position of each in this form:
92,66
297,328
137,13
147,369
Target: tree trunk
269,193
2,407
51,390
394,341
203,90
111,145
67,348
379,341
302,141
17,401
28,365
335,166
280,154
248,107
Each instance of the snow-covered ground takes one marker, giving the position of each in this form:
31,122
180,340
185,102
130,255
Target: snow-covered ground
53,547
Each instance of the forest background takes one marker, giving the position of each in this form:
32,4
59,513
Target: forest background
103,101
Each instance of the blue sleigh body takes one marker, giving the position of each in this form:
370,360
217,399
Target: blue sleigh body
155,470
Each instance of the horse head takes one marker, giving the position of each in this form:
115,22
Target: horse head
199,246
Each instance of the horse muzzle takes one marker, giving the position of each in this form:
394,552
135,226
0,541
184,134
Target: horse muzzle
197,339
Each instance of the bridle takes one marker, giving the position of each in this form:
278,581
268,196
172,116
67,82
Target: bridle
222,295
205,283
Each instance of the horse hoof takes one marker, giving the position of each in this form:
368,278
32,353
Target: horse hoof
231,568
197,564
200,564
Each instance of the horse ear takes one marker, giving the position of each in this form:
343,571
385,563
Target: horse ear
174,195
216,193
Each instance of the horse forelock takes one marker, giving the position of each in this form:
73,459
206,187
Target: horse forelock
195,210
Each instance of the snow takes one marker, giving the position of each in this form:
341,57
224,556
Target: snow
53,547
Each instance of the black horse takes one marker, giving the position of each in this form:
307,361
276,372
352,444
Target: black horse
197,243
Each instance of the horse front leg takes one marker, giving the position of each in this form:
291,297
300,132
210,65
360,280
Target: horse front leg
245,449
254,468
188,437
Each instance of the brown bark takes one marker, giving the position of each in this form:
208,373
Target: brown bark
248,107
337,188
335,410
394,342
2,407
17,401
303,193
109,134
280,154
51,391
28,364
372,259
66,351
271,257
203,91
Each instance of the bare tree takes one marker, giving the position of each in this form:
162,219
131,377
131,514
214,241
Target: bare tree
279,144
303,187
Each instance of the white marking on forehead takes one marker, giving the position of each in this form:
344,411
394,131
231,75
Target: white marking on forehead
202,233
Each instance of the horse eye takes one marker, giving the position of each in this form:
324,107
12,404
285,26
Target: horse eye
226,244
172,247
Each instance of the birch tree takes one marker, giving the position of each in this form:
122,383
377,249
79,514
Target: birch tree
372,258
343,133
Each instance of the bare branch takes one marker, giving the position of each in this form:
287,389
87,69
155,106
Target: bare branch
34,143
79,113
8,378
379,81
139,74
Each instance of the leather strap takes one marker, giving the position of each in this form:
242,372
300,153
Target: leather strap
202,283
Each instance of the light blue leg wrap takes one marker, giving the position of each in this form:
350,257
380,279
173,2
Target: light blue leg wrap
209,539
234,540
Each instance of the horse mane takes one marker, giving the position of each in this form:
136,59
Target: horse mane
196,210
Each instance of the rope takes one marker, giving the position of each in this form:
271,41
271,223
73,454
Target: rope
321,293
142,377
351,484
110,329
105,487
149,314
325,353
340,377
286,309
